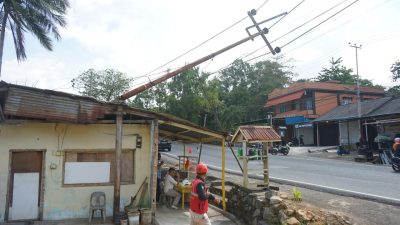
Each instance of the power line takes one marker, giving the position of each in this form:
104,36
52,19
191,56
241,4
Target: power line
287,13
251,53
202,43
309,30
326,11
312,28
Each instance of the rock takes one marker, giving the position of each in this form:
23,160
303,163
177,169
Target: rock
282,216
267,213
290,212
269,193
279,206
283,195
303,215
256,213
275,200
292,221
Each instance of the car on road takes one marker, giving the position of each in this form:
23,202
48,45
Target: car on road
164,145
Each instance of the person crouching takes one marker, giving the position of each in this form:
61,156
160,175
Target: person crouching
199,198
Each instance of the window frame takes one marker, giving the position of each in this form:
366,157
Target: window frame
97,151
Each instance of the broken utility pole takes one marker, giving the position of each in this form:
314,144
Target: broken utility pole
261,32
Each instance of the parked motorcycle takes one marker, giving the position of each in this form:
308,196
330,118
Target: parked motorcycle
284,149
396,164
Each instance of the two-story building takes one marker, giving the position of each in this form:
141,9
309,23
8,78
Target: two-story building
295,106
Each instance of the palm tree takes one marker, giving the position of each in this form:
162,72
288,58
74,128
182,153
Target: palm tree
39,17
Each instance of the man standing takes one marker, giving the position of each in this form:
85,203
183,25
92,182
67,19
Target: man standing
199,198
169,184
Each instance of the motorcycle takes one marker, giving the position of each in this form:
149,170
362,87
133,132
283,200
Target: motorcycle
396,164
284,149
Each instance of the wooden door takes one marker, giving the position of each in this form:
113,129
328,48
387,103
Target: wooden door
25,183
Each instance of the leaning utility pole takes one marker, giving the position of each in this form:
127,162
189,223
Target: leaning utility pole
356,47
150,84
261,32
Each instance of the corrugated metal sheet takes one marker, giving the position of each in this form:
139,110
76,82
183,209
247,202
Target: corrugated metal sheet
47,106
258,133
350,111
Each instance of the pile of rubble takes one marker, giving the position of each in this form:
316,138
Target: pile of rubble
256,206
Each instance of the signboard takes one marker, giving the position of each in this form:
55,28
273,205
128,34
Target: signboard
306,125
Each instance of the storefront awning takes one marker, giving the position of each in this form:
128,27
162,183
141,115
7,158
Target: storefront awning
284,99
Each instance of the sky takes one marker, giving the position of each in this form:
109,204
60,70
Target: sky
136,37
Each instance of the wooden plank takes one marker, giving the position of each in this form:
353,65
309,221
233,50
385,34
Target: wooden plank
245,166
118,150
153,180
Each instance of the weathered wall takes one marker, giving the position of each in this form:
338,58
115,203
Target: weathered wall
353,134
308,135
71,202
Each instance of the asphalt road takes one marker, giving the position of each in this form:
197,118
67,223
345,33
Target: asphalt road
364,178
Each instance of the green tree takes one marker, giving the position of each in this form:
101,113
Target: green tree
236,96
245,87
395,69
39,17
341,73
104,85
393,91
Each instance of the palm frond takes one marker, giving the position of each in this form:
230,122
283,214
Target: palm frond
19,39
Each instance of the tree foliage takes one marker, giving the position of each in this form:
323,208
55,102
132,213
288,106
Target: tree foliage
39,17
395,69
237,95
341,73
104,85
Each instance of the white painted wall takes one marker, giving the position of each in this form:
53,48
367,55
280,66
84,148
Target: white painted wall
354,132
71,202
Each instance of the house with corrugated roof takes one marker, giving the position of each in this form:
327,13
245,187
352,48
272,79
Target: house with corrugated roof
58,148
378,118
296,106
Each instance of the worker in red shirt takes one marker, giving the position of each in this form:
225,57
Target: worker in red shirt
199,198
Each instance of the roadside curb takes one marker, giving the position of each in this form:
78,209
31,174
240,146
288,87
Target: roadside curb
228,215
315,187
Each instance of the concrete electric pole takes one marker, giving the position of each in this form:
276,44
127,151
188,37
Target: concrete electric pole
356,47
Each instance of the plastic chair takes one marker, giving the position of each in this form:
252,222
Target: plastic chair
97,202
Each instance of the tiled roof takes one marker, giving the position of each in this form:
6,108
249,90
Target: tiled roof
368,108
257,134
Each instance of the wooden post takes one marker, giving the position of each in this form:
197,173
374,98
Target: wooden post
245,166
154,154
265,147
118,150
223,175
317,134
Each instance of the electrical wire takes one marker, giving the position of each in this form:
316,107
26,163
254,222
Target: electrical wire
312,28
202,43
309,30
326,11
287,14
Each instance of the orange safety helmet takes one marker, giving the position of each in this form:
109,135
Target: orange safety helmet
201,168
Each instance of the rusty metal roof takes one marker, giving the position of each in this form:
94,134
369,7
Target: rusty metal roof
26,103
256,134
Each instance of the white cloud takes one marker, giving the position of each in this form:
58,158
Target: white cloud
136,36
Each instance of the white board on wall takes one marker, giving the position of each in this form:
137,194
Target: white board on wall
87,172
